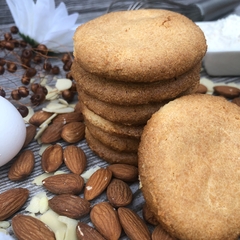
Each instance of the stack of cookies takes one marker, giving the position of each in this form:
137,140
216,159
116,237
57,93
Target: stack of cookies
127,65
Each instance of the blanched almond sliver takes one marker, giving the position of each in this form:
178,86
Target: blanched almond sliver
61,110
63,84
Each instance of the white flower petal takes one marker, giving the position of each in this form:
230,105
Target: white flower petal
44,23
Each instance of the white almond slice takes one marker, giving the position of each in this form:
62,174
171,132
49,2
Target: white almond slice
64,110
60,100
32,80
4,224
43,82
50,218
40,131
55,106
73,105
43,204
38,180
60,233
59,172
87,174
2,230
33,206
39,141
71,233
30,114
52,96
208,84
43,148
63,84
47,121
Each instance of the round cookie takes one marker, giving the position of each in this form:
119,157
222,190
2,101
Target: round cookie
120,144
127,115
124,93
189,167
139,46
110,127
109,155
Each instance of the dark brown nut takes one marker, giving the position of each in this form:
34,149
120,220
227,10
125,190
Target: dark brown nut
227,91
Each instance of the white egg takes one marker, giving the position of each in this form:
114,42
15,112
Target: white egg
12,131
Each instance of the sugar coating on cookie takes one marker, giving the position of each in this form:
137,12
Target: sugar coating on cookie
139,46
189,166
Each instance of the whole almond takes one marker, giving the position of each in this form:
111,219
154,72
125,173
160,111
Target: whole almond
39,117
85,232
119,193
69,205
202,89
11,201
97,183
68,117
227,91
73,132
26,227
133,225
64,183
22,166
148,216
105,219
52,158
160,233
75,159
52,133
125,172
30,133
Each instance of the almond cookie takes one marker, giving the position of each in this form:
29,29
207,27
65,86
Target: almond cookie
127,115
108,154
120,144
111,127
139,46
189,167
127,93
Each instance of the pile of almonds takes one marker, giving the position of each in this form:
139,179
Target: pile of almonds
104,198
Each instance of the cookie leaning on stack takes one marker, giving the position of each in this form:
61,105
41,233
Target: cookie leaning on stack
127,65
189,167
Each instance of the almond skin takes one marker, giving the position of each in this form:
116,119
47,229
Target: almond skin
160,233
133,225
97,183
11,201
52,158
75,159
30,133
28,228
68,117
105,219
85,232
119,193
39,117
125,172
73,132
69,205
64,183
22,166
52,133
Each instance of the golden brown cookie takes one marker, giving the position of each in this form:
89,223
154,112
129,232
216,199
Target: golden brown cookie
189,161
139,46
120,144
127,115
108,154
111,127
124,93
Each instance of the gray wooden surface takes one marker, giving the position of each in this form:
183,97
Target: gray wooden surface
87,9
